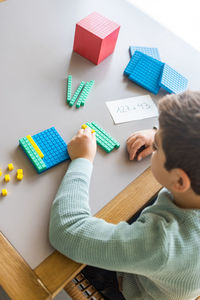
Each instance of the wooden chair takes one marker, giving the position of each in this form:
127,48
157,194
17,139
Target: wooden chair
81,289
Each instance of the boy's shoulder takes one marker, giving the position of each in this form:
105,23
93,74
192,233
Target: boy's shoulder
165,207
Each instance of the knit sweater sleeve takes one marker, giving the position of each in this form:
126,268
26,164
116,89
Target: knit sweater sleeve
140,247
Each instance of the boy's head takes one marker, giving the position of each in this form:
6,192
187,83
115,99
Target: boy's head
179,138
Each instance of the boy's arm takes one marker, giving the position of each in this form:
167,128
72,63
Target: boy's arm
139,247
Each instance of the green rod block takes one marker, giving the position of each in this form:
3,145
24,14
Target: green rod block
102,140
103,133
69,88
91,83
82,94
76,94
117,144
32,155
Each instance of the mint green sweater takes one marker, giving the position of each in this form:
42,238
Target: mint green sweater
158,255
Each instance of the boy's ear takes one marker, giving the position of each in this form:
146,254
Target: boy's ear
181,181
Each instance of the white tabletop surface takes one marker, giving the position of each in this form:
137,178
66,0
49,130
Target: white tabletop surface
36,41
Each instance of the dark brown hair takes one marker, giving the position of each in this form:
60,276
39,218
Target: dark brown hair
179,121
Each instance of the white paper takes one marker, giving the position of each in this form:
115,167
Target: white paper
134,108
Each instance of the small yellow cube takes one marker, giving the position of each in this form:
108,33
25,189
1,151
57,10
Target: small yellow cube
7,178
0,172
4,192
10,167
19,171
19,177
84,126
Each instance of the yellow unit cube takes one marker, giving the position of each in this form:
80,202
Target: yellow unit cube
84,126
19,176
10,167
0,172
4,192
7,178
19,171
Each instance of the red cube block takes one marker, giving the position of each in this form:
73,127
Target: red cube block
95,37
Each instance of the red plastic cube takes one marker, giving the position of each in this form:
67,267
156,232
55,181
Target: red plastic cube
95,37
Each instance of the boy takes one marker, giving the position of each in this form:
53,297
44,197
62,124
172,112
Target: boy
157,255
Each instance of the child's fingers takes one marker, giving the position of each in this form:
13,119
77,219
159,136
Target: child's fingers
80,131
147,151
131,137
134,148
130,142
87,131
94,135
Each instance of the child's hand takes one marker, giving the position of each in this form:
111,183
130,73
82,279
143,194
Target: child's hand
137,140
83,145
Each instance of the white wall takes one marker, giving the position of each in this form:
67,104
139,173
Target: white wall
182,17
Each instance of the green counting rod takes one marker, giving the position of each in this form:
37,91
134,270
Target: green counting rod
84,94
32,154
76,94
69,88
104,140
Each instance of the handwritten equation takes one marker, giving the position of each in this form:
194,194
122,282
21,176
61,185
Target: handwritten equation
127,108
130,109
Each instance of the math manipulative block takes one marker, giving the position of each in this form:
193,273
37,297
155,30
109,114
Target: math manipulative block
51,145
151,73
132,63
69,88
153,52
4,192
20,171
34,157
7,177
10,167
20,174
95,37
84,94
172,81
104,139
77,93
19,177
147,73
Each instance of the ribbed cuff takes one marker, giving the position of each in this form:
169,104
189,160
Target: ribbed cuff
81,165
